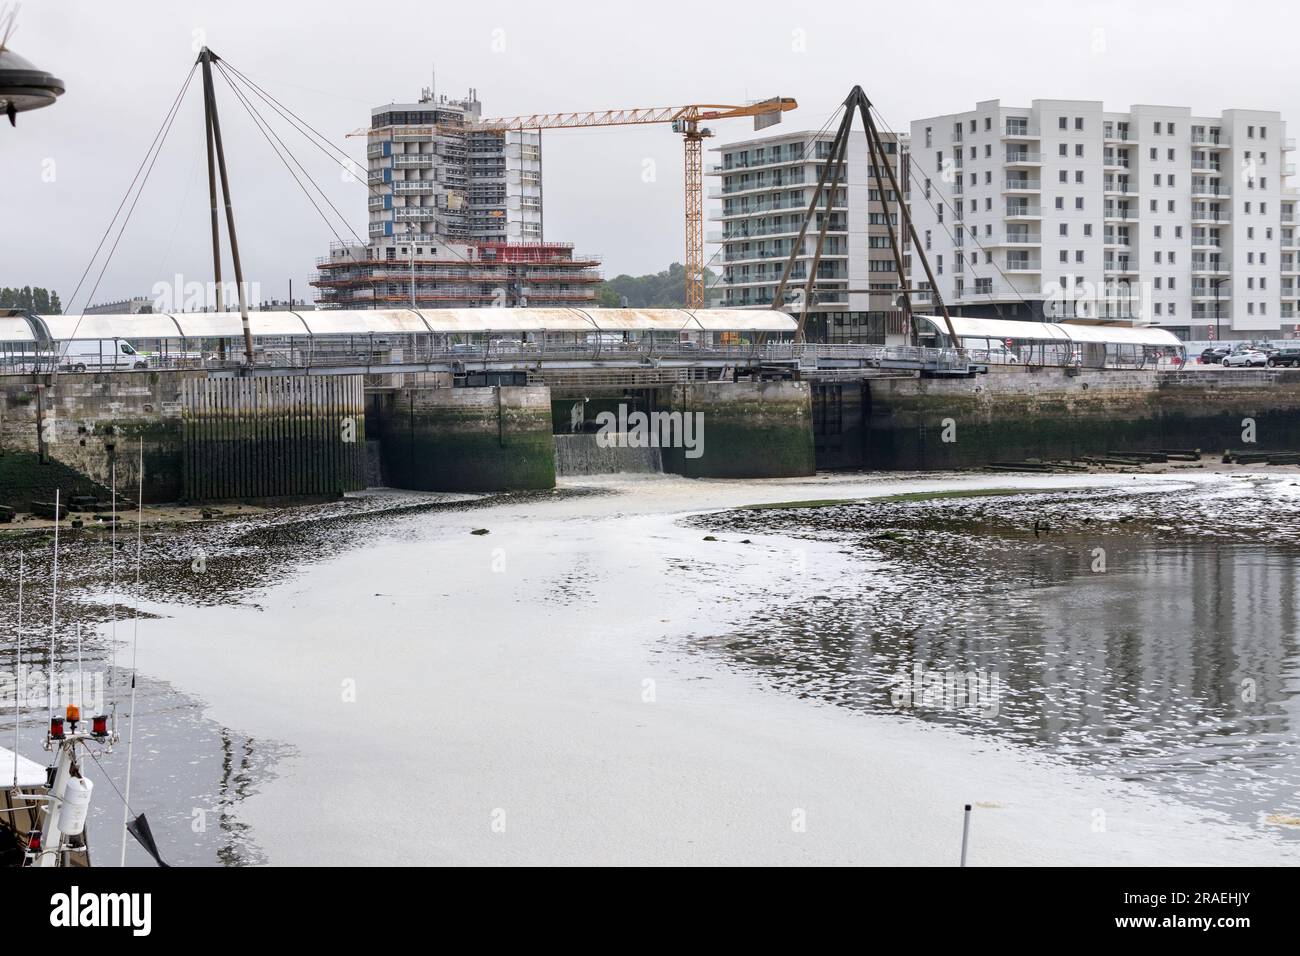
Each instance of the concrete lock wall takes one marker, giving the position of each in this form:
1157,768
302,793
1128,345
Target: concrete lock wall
1012,414
69,431
494,438
750,430
273,437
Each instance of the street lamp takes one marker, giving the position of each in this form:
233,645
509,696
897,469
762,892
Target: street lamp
1218,333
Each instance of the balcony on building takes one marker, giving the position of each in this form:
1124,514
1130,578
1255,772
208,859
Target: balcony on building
1022,262
1023,209
1014,236
1113,132
1210,212
1203,264
1019,129
1209,188
1122,211
1022,184
1119,185
1212,167
1020,156
1116,158
1120,265
1210,138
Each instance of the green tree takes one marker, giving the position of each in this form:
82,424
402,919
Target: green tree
660,290
31,299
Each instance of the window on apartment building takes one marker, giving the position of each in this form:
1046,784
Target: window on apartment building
1078,149
927,239
974,205
1154,152
929,136
1263,258
988,258
1155,205
1157,179
938,264
1078,255
1063,149
974,178
1250,132
1155,307
1065,255
988,176
1263,182
1169,128
1171,308
1171,205
938,161
1158,255
1062,122
1157,232
1247,207
1268,233
1263,209
1064,229
1060,202
1087,229
988,150
1178,232
1263,132
1171,155
1155,128
1173,283
1250,282
1173,257
1155,283
1250,232
988,122
1263,282
988,229
1078,176
988,202
974,152
1078,122
1078,202
972,126
1063,176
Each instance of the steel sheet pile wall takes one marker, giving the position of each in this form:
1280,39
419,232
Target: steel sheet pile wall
274,437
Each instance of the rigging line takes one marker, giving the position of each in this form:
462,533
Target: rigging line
349,164
267,133
991,261
18,666
263,127
135,645
127,218
91,263
803,154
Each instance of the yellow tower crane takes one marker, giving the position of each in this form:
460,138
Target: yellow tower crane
685,120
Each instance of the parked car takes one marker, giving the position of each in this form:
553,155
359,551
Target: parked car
83,355
1214,355
1286,356
1245,358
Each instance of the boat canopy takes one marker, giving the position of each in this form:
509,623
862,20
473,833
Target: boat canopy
30,773
968,327
190,325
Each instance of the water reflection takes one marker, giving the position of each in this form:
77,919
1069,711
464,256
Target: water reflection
1134,633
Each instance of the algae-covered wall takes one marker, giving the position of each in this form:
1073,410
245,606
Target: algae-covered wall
69,431
273,437
1013,413
494,438
746,430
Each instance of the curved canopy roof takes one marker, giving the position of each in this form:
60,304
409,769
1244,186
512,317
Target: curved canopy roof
967,327
14,328
406,321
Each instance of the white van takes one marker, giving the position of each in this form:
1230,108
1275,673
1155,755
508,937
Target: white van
97,355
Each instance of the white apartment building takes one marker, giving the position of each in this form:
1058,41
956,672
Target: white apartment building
1065,209
765,187
432,177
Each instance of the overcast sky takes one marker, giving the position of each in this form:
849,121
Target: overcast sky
66,168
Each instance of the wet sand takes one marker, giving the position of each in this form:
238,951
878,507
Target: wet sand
537,695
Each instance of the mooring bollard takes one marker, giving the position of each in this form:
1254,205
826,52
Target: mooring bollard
965,833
